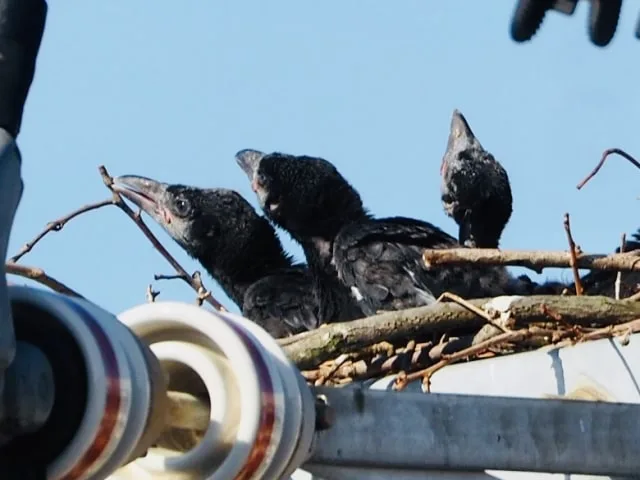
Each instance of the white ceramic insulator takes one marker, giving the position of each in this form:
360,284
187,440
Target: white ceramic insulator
262,416
120,386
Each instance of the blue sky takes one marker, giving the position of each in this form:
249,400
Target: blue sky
173,92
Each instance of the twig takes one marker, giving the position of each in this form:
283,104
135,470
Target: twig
40,276
573,255
512,336
532,259
406,360
151,294
168,277
605,332
472,308
137,219
618,282
337,364
196,278
359,369
600,164
310,349
57,225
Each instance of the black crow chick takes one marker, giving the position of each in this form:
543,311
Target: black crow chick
236,246
476,193
475,188
379,261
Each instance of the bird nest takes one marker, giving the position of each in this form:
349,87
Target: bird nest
416,343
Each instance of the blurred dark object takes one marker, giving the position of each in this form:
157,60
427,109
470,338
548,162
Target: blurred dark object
603,18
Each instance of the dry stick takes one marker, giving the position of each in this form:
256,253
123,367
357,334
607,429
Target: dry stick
41,277
168,277
151,294
509,337
574,256
203,293
37,274
514,336
196,278
57,225
459,349
312,348
137,219
337,364
605,155
532,259
357,369
472,308
618,283
605,332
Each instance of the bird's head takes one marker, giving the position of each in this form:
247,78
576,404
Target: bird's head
205,222
304,195
461,138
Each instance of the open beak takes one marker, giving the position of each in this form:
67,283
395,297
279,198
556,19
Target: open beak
249,161
142,191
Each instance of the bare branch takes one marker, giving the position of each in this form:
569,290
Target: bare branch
559,340
169,277
618,282
151,294
37,274
600,164
512,336
137,219
57,225
532,259
360,365
40,276
573,255
472,308
196,278
310,349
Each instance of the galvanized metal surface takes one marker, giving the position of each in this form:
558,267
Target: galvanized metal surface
326,472
377,429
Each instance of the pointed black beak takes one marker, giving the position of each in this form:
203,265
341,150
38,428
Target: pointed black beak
249,161
460,134
144,192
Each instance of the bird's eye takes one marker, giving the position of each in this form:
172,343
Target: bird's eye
259,183
181,207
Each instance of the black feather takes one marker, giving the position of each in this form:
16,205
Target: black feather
378,261
475,188
301,202
237,247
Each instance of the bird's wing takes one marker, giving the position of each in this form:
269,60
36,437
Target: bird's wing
381,261
283,303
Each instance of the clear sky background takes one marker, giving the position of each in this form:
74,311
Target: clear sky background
173,91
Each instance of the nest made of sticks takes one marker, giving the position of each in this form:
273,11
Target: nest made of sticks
416,343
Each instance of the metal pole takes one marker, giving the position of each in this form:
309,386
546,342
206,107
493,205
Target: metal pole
382,429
